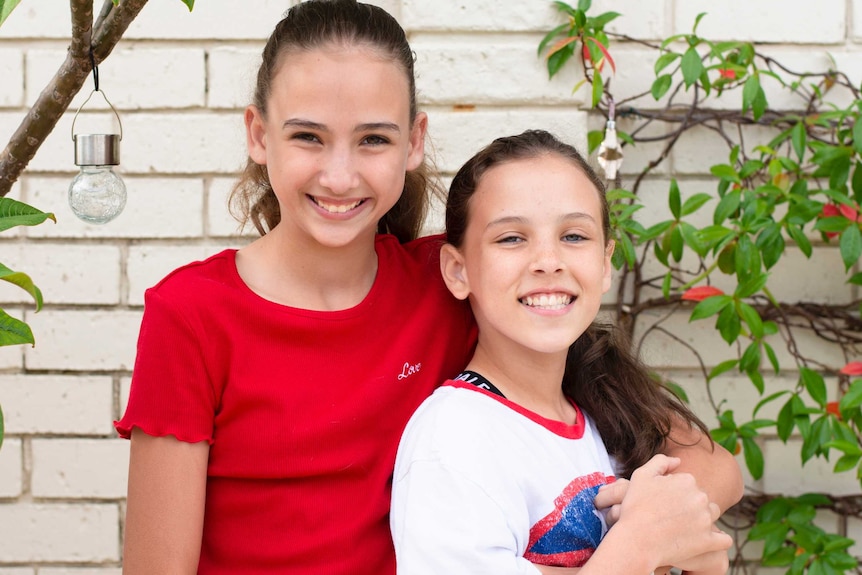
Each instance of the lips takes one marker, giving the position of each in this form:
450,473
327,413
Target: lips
548,301
336,207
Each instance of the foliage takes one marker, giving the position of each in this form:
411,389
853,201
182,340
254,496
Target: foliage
796,189
14,331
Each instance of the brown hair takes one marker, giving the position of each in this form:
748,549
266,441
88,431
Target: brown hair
308,26
633,412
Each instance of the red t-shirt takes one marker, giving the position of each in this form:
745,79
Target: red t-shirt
303,409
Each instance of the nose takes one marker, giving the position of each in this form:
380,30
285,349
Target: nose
547,257
338,172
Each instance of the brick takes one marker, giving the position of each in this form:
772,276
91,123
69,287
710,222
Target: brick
127,78
17,571
125,387
458,135
212,20
743,20
42,20
221,222
698,148
480,71
783,472
479,15
80,468
12,70
818,279
856,10
64,280
83,340
57,404
80,571
59,532
155,208
149,264
231,75
11,467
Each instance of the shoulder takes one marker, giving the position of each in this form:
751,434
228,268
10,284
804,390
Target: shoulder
219,268
451,424
424,251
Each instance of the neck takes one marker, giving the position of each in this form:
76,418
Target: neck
530,379
312,277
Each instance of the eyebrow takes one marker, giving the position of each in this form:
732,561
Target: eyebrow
522,220
367,127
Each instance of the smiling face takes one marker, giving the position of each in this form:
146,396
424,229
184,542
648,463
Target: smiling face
534,261
336,139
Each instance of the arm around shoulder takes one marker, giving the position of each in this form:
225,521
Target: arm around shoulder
165,509
714,468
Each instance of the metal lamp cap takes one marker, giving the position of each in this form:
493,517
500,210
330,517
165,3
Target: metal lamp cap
97,149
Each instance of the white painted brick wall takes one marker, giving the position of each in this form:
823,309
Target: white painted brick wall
180,82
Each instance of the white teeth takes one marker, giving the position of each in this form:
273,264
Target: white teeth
545,301
336,209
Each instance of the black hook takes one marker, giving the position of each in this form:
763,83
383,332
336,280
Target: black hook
95,69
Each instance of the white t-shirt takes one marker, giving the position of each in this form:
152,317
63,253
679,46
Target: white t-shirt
484,486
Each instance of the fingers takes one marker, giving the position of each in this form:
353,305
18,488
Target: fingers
611,494
658,465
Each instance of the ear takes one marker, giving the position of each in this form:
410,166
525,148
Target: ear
416,152
454,272
609,268
255,135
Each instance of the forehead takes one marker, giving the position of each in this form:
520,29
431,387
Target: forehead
548,181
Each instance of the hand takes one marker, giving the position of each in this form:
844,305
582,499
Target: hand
668,518
610,497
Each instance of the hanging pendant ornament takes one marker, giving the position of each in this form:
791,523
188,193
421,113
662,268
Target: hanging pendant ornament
97,195
610,154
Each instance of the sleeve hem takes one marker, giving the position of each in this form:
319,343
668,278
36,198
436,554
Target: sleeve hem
125,432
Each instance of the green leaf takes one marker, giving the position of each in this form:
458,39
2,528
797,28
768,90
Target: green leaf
749,92
23,281
660,86
722,367
770,242
725,172
594,140
550,36
664,61
800,239
853,397
14,213
751,286
665,285
786,420
728,324
753,457
14,331
694,203
773,359
856,182
189,3
674,199
598,88
692,66
676,243
851,246
857,136
710,306
750,360
799,139
747,259
752,319
766,400
814,384
6,7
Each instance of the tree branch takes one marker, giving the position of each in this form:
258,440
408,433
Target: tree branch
66,83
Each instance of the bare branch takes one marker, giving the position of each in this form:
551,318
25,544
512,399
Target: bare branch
66,83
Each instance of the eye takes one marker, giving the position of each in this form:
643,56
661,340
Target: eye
375,140
509,240
573,238
305,137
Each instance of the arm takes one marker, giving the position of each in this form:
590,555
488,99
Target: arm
714,468
165,509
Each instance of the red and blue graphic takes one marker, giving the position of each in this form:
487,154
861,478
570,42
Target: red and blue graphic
569,535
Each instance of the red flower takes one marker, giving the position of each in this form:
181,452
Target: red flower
849,212
727,73
828,211
852,368
832,407
701,293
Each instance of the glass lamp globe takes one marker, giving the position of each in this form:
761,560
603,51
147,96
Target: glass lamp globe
97,194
